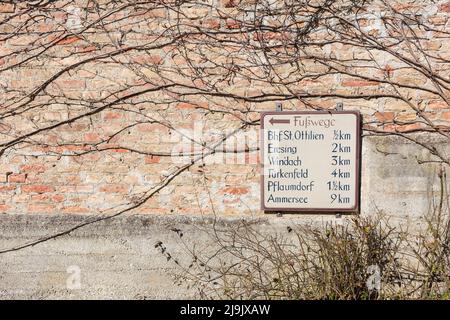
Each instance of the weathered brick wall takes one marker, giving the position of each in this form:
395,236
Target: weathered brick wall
96,97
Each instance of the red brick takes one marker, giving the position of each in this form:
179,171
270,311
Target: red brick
438,105
19,83
60,16
185,106
114,188
230,3
406,117
40,197
236,190
211,23
76,189
233,24
152,127
235,179
70,84
17,178
40,208
85,49
92,137
3,208
191,106
148,59
86,74
385,116
157,13
120,150
409,127
152,159
75,127
111,115
7,188
57,198
359,83
6,8
68,40
45,27
438,20
71,148
445,115
179,60
36,168
231,200
407,7
37,188
445,7
433,116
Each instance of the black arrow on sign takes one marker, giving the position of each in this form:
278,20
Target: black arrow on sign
272,121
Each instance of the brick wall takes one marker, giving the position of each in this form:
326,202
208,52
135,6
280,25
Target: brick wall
98,99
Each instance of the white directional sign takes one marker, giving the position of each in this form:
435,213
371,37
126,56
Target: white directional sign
310,161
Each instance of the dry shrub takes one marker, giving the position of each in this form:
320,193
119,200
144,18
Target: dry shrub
358,258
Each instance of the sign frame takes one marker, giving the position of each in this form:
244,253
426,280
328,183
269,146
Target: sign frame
353,210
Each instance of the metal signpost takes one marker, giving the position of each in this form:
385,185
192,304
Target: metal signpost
310,161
